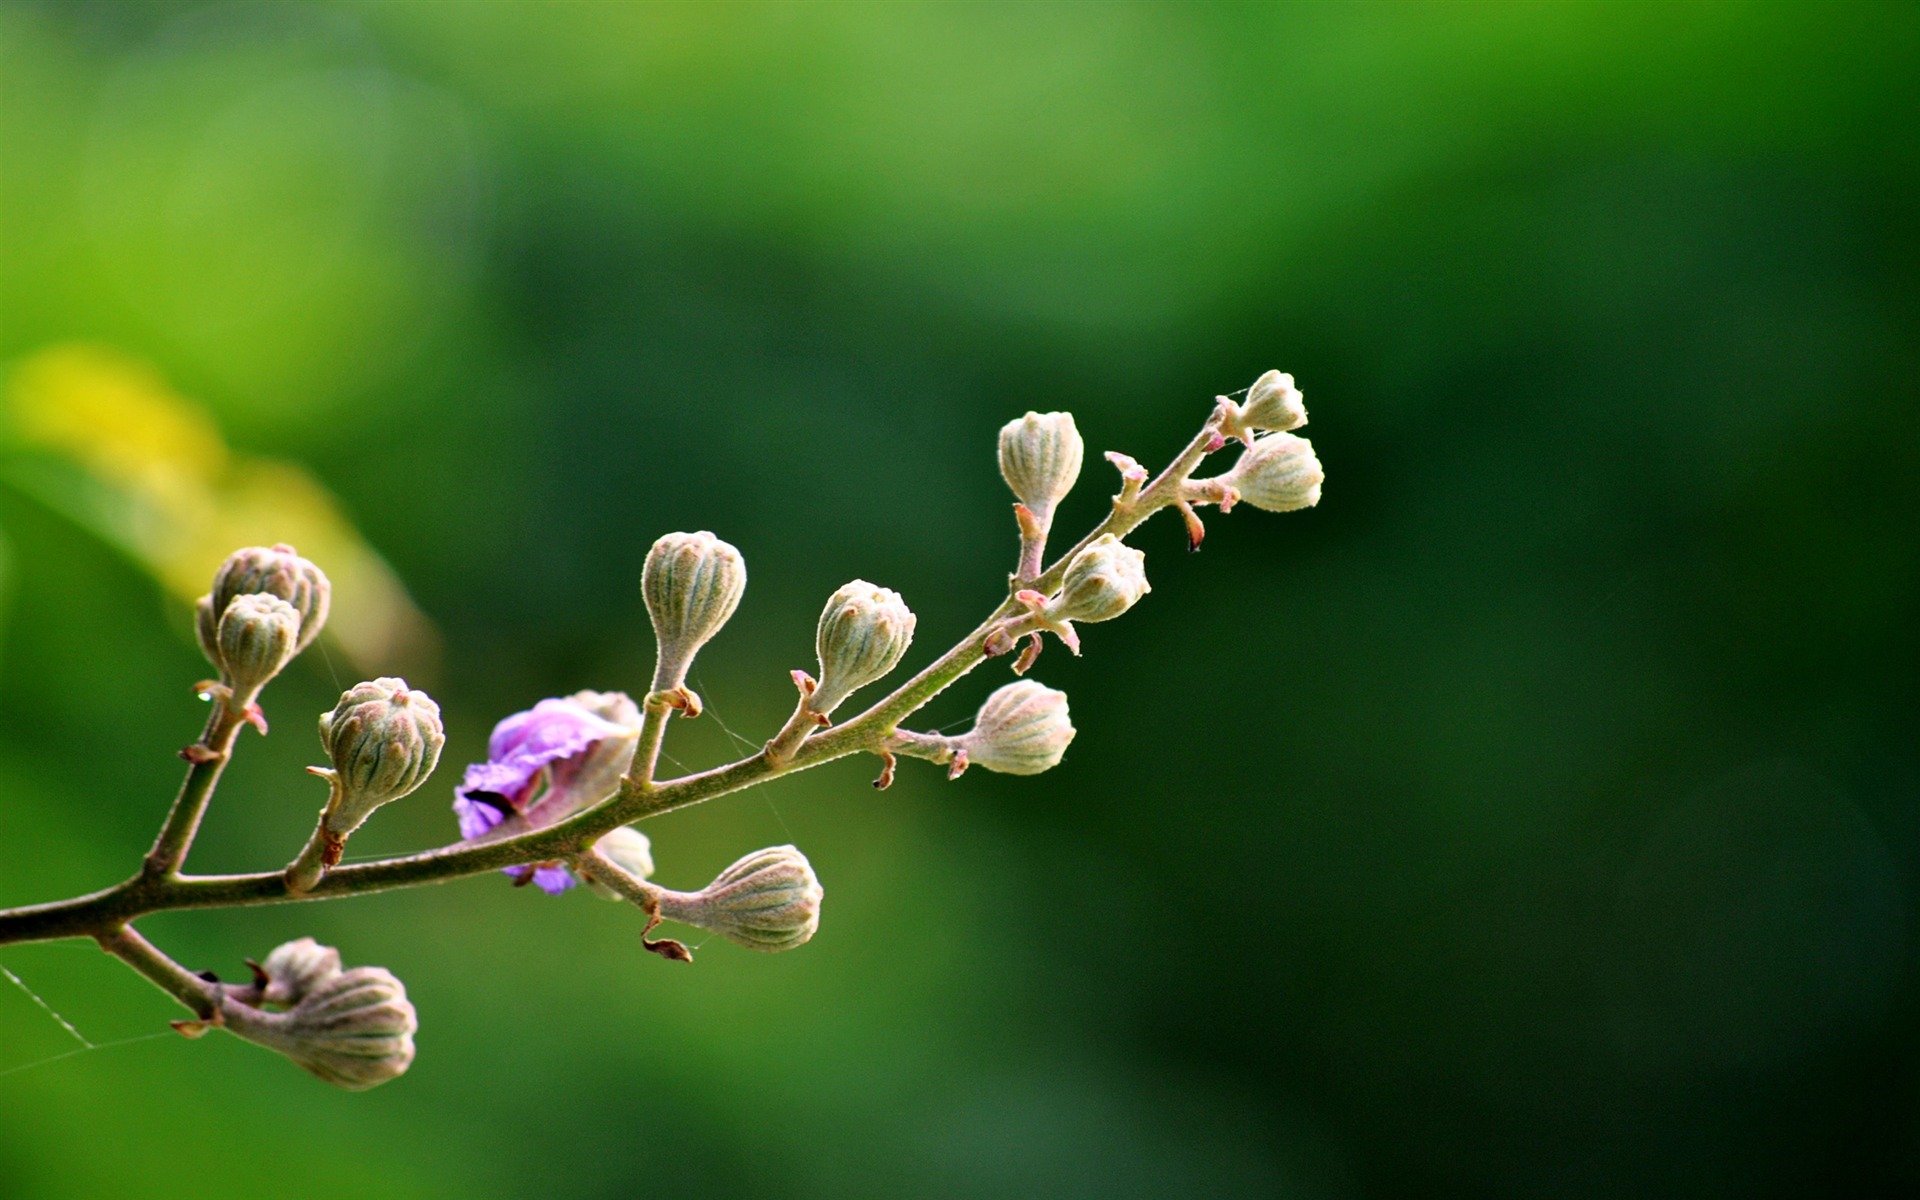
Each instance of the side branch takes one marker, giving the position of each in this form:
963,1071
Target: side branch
209,757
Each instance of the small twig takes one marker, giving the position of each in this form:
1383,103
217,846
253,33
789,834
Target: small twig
208,758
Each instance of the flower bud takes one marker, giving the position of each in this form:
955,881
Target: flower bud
353,1029
256,637
692,583
769,900
1040,457
1022,729
276,571
384,740
1278,473
1103,581
296,968
628,849
1272,403
863,633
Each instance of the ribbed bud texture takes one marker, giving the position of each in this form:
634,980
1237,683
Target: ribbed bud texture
692,583
277,571
353,1029
384,739
864,631
768,901
257,636
1279,473
1022,729
1102,581
296,968
1272,403
1040,457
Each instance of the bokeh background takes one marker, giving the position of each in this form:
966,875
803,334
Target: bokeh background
1537,817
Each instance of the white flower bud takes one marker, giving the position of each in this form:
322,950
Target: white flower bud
256,637
1278,473
384,739
1022,729
1103,581
692,583
769,901
1272,403
353,1029
296,968
1040,457
277,571
864,631
628,849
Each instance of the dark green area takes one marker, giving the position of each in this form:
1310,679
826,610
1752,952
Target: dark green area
1536,817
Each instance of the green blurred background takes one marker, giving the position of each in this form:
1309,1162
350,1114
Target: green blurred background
1534,818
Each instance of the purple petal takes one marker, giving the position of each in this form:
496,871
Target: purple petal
550,730
527,741
476,816
521,746
552,880
492,777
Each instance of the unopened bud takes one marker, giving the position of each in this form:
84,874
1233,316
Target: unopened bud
769,901
276,571
384,739
692,583
257,636
1040,457
864,631
1103,581
296,968
628,849
1278,473
1272,403
1022,729
354,1029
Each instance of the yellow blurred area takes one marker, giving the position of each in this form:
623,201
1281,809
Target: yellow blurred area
179,500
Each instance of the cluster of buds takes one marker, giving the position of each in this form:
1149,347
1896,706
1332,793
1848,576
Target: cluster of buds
267,605
353,1028
572,772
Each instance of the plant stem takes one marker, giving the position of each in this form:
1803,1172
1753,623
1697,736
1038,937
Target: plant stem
653,731
311,863
596,866
170,977
795,731
213,750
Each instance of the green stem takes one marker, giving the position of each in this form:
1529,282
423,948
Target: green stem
596,866
183,821
653,731
310,865
795,731
170,977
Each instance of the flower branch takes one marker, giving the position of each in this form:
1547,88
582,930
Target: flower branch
555,802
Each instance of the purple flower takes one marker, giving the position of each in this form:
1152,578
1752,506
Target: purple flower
547,763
